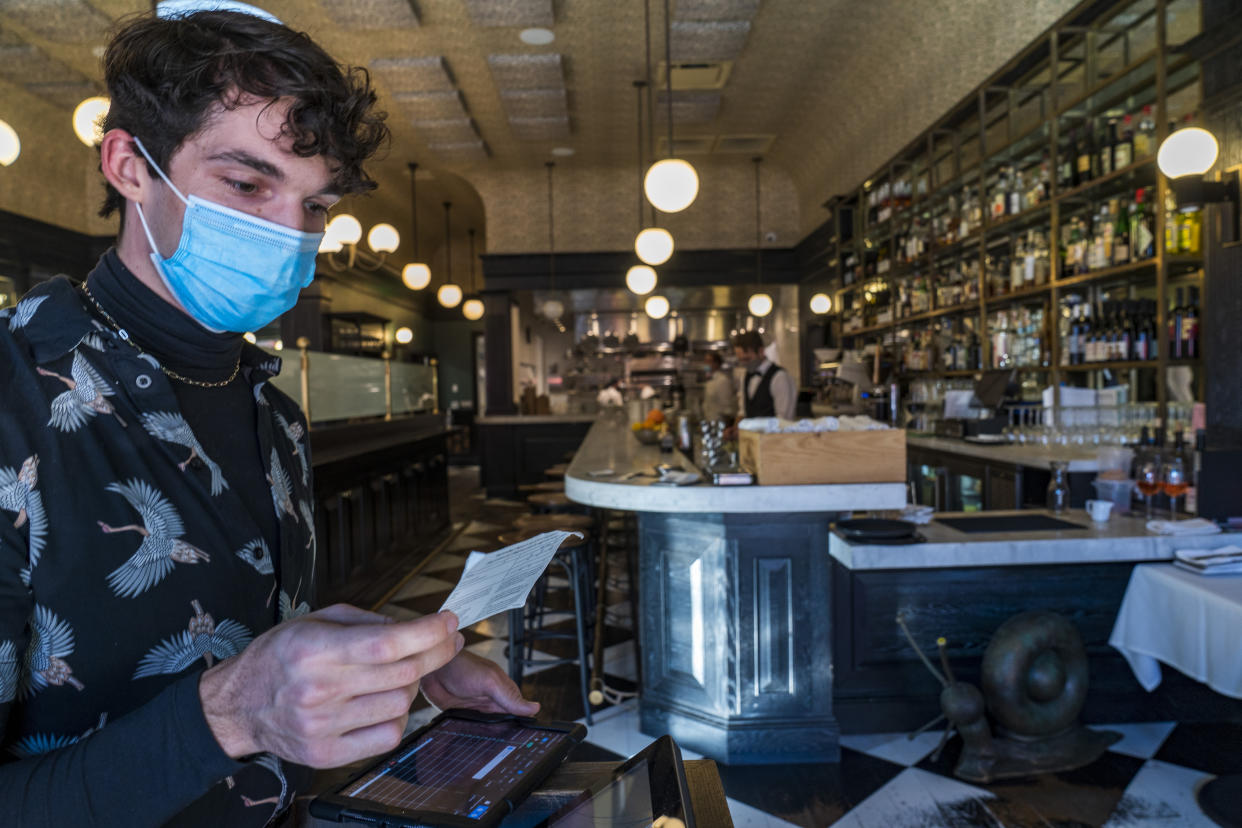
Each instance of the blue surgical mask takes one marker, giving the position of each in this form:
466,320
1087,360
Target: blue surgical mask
232,271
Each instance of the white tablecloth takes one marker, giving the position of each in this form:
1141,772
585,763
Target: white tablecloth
1188,621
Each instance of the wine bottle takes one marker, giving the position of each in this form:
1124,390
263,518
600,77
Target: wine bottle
1082,168
1175,328
1190,326
1104,146
1121,235
1145,135
1123,150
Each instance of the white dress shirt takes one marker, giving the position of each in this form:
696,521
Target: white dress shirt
784,396
719,398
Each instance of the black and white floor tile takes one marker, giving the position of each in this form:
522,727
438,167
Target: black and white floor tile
884,780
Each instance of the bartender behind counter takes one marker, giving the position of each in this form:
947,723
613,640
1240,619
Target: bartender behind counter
768,390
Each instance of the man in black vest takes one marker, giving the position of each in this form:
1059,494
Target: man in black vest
768,390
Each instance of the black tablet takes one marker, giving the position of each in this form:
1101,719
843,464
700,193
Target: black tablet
648,790
462,770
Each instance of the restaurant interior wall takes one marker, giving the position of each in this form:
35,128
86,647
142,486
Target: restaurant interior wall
452,342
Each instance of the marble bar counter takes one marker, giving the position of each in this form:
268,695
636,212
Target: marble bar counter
734,620
963,585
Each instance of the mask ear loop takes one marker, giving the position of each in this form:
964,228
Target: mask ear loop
145,229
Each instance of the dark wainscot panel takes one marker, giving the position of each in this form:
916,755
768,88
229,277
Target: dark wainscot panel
513,452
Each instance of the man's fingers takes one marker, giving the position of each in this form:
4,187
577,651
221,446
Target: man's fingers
374,708
361,743
384,644
348,614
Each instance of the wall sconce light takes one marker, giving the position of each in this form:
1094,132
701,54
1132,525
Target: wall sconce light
821,303
10,144
1184,157
86,120
404,336
344,232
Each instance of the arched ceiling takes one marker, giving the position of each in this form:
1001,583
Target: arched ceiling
837,86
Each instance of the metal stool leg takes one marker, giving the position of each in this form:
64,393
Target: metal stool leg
576,576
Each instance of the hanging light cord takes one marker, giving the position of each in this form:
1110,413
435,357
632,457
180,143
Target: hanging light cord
758,230
414,207
650,96
470,233
551,234
448,246
668,73
638,93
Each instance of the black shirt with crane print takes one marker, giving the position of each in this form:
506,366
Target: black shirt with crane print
128,565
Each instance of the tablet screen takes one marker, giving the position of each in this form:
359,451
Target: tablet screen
626,802
459,767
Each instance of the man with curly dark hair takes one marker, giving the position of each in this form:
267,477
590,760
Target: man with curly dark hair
159,659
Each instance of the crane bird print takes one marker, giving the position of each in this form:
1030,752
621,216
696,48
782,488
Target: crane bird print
51,642
19,493
8,672
161,545
25,311
295,432
172,428
256,554
86,397
203,638
282,487
36,744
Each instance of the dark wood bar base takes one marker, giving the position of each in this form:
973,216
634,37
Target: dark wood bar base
735,635
515,450
881,686
381,503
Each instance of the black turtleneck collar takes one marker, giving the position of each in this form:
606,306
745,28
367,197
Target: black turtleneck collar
161,329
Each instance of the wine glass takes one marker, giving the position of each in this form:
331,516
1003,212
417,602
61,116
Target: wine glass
1173,482
1147,478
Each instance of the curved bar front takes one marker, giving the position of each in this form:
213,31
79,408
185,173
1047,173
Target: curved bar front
735,612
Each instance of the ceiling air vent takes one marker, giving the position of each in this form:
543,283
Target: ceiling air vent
712,75
749,144
689,145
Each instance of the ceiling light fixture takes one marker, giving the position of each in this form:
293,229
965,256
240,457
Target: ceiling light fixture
87,118
640,279
821,303
404,336
656,307
671,184
416,275
563,152
472,308
537,36
449,294
344,232
760,303
10,144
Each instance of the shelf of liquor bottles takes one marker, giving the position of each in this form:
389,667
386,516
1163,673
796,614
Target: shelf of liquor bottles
1036,194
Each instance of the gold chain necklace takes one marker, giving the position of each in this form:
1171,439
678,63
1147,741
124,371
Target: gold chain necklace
124,334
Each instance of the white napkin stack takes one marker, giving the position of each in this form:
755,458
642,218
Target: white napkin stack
1194,526
1226,560
775,425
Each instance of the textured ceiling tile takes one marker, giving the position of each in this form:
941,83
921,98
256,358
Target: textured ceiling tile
461,152
446,131
68,95
542,71
539,129
372,14
432,106
28,64
709,41
715,9
689,107
61,21
535,103
510,12
414,74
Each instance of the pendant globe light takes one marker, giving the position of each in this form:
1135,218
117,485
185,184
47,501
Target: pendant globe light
654,245
821,303
449,294
656,307
552,308
640,279
472,308
672,184
416,275
760,303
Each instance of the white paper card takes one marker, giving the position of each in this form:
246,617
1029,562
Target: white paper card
502,579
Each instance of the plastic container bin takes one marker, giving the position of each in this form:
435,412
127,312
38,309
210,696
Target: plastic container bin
1118,491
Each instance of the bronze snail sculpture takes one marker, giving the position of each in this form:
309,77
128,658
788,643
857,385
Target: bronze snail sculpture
1034,677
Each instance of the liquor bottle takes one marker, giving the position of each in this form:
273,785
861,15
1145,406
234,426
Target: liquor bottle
1065,164
1000,194
1142,232
1142,335
1104,146
1190,326
1145,135
1172,229
1121,235
1123,150
1175,328
1190,232
1082,166
1069,354
1125,346
1088,337
1015,266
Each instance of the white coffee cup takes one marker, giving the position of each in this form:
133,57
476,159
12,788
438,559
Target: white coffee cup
1099,509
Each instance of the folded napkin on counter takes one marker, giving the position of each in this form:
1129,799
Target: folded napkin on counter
678,478
1226,560
917,514
1195,526
775,425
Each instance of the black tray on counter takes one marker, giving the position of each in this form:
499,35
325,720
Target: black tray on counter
1008,523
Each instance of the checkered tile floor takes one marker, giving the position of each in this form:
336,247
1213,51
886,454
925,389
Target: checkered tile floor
1147,780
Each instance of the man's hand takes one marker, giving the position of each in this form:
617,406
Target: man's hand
328,688
477,683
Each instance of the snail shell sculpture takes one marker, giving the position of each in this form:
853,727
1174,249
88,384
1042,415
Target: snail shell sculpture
1034,678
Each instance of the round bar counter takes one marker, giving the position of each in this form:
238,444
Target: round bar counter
735,615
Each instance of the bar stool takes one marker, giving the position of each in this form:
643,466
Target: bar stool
545,486
557,471
551,502
526,623
549,523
